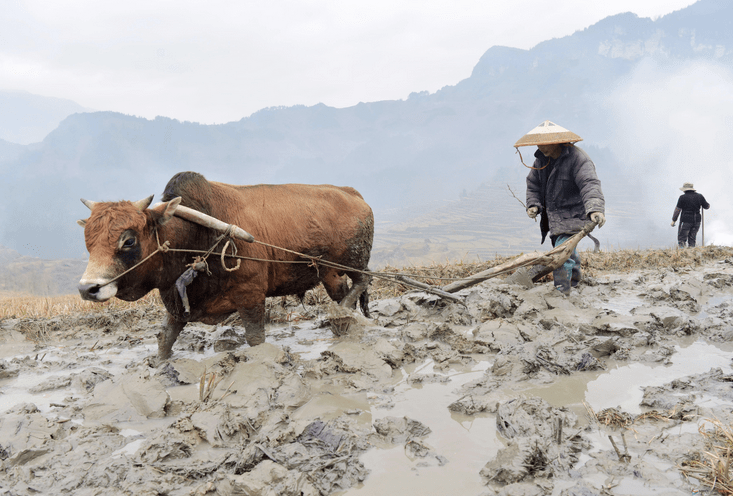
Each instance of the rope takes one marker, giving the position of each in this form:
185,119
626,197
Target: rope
527,166
234,252
549,159
328,263
165,247
312,260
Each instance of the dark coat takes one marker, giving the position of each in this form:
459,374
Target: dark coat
689,205
567,191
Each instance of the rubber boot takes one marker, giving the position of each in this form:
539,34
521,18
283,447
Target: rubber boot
561,278
576,275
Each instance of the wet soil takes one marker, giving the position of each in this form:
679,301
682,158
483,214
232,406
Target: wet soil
517,392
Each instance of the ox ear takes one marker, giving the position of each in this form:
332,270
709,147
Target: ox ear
144,203
82,222
164,211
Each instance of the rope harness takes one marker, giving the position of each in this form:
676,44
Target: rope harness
200,264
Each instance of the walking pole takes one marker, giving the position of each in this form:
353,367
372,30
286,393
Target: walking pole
702,223
679,228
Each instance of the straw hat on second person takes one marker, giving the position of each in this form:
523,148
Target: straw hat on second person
687,187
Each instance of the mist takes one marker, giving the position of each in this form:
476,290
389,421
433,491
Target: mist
670,125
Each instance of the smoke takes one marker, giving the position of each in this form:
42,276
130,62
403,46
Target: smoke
671,124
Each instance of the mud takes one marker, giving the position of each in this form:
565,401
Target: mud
517,392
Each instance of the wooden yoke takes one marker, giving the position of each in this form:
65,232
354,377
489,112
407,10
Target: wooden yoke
202,219
551,259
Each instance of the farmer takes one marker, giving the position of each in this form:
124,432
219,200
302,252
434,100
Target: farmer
563,188
689,205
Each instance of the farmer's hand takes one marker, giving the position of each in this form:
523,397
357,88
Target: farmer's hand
598,218
673,223
532,212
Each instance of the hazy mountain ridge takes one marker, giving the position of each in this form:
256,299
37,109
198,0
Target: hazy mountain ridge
28,275
418,153
28,118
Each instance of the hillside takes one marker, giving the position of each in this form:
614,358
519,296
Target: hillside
27,275
28,118
420,154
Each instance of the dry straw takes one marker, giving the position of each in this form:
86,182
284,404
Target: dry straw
20,306
437,274
593,264
713,467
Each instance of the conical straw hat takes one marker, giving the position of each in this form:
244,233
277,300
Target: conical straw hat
547,133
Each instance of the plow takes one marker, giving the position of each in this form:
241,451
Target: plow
524,269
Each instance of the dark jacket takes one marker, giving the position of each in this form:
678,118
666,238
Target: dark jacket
567,191
689,205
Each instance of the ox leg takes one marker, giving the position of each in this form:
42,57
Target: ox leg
168,336
359,285
254,323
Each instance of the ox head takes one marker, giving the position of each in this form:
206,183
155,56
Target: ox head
118,236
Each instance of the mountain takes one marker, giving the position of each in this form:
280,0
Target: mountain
28,118
428,164
10,151
28,275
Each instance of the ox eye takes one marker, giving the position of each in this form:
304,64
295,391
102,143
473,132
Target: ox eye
128,243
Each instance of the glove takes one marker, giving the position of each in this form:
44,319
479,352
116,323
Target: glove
673,223
598,218
532,212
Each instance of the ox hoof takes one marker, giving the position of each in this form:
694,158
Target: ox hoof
254,337
341,318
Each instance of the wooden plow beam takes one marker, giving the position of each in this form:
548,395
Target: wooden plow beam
551,260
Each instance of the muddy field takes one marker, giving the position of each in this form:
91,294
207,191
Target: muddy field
519,391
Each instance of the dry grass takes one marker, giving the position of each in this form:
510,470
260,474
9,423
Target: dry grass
616,419
713,467
436,274
668,258
593,264
27,306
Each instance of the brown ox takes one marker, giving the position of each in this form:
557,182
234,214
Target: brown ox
331,222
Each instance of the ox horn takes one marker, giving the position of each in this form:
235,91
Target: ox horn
90,204
143,204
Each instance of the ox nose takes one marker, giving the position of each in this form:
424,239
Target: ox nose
89,291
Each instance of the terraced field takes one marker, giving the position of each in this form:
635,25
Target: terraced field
489,221
485,223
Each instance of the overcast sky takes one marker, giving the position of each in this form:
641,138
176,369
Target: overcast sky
223,61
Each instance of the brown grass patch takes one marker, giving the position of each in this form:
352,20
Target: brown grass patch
14,306
436,274
617,419
593,264
668,258
713,467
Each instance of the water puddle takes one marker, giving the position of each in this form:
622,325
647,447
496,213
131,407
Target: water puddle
466,442
305,339
62,361
622,385
622,305
712,303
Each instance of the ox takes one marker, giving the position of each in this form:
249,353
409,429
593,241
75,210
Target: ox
334,223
